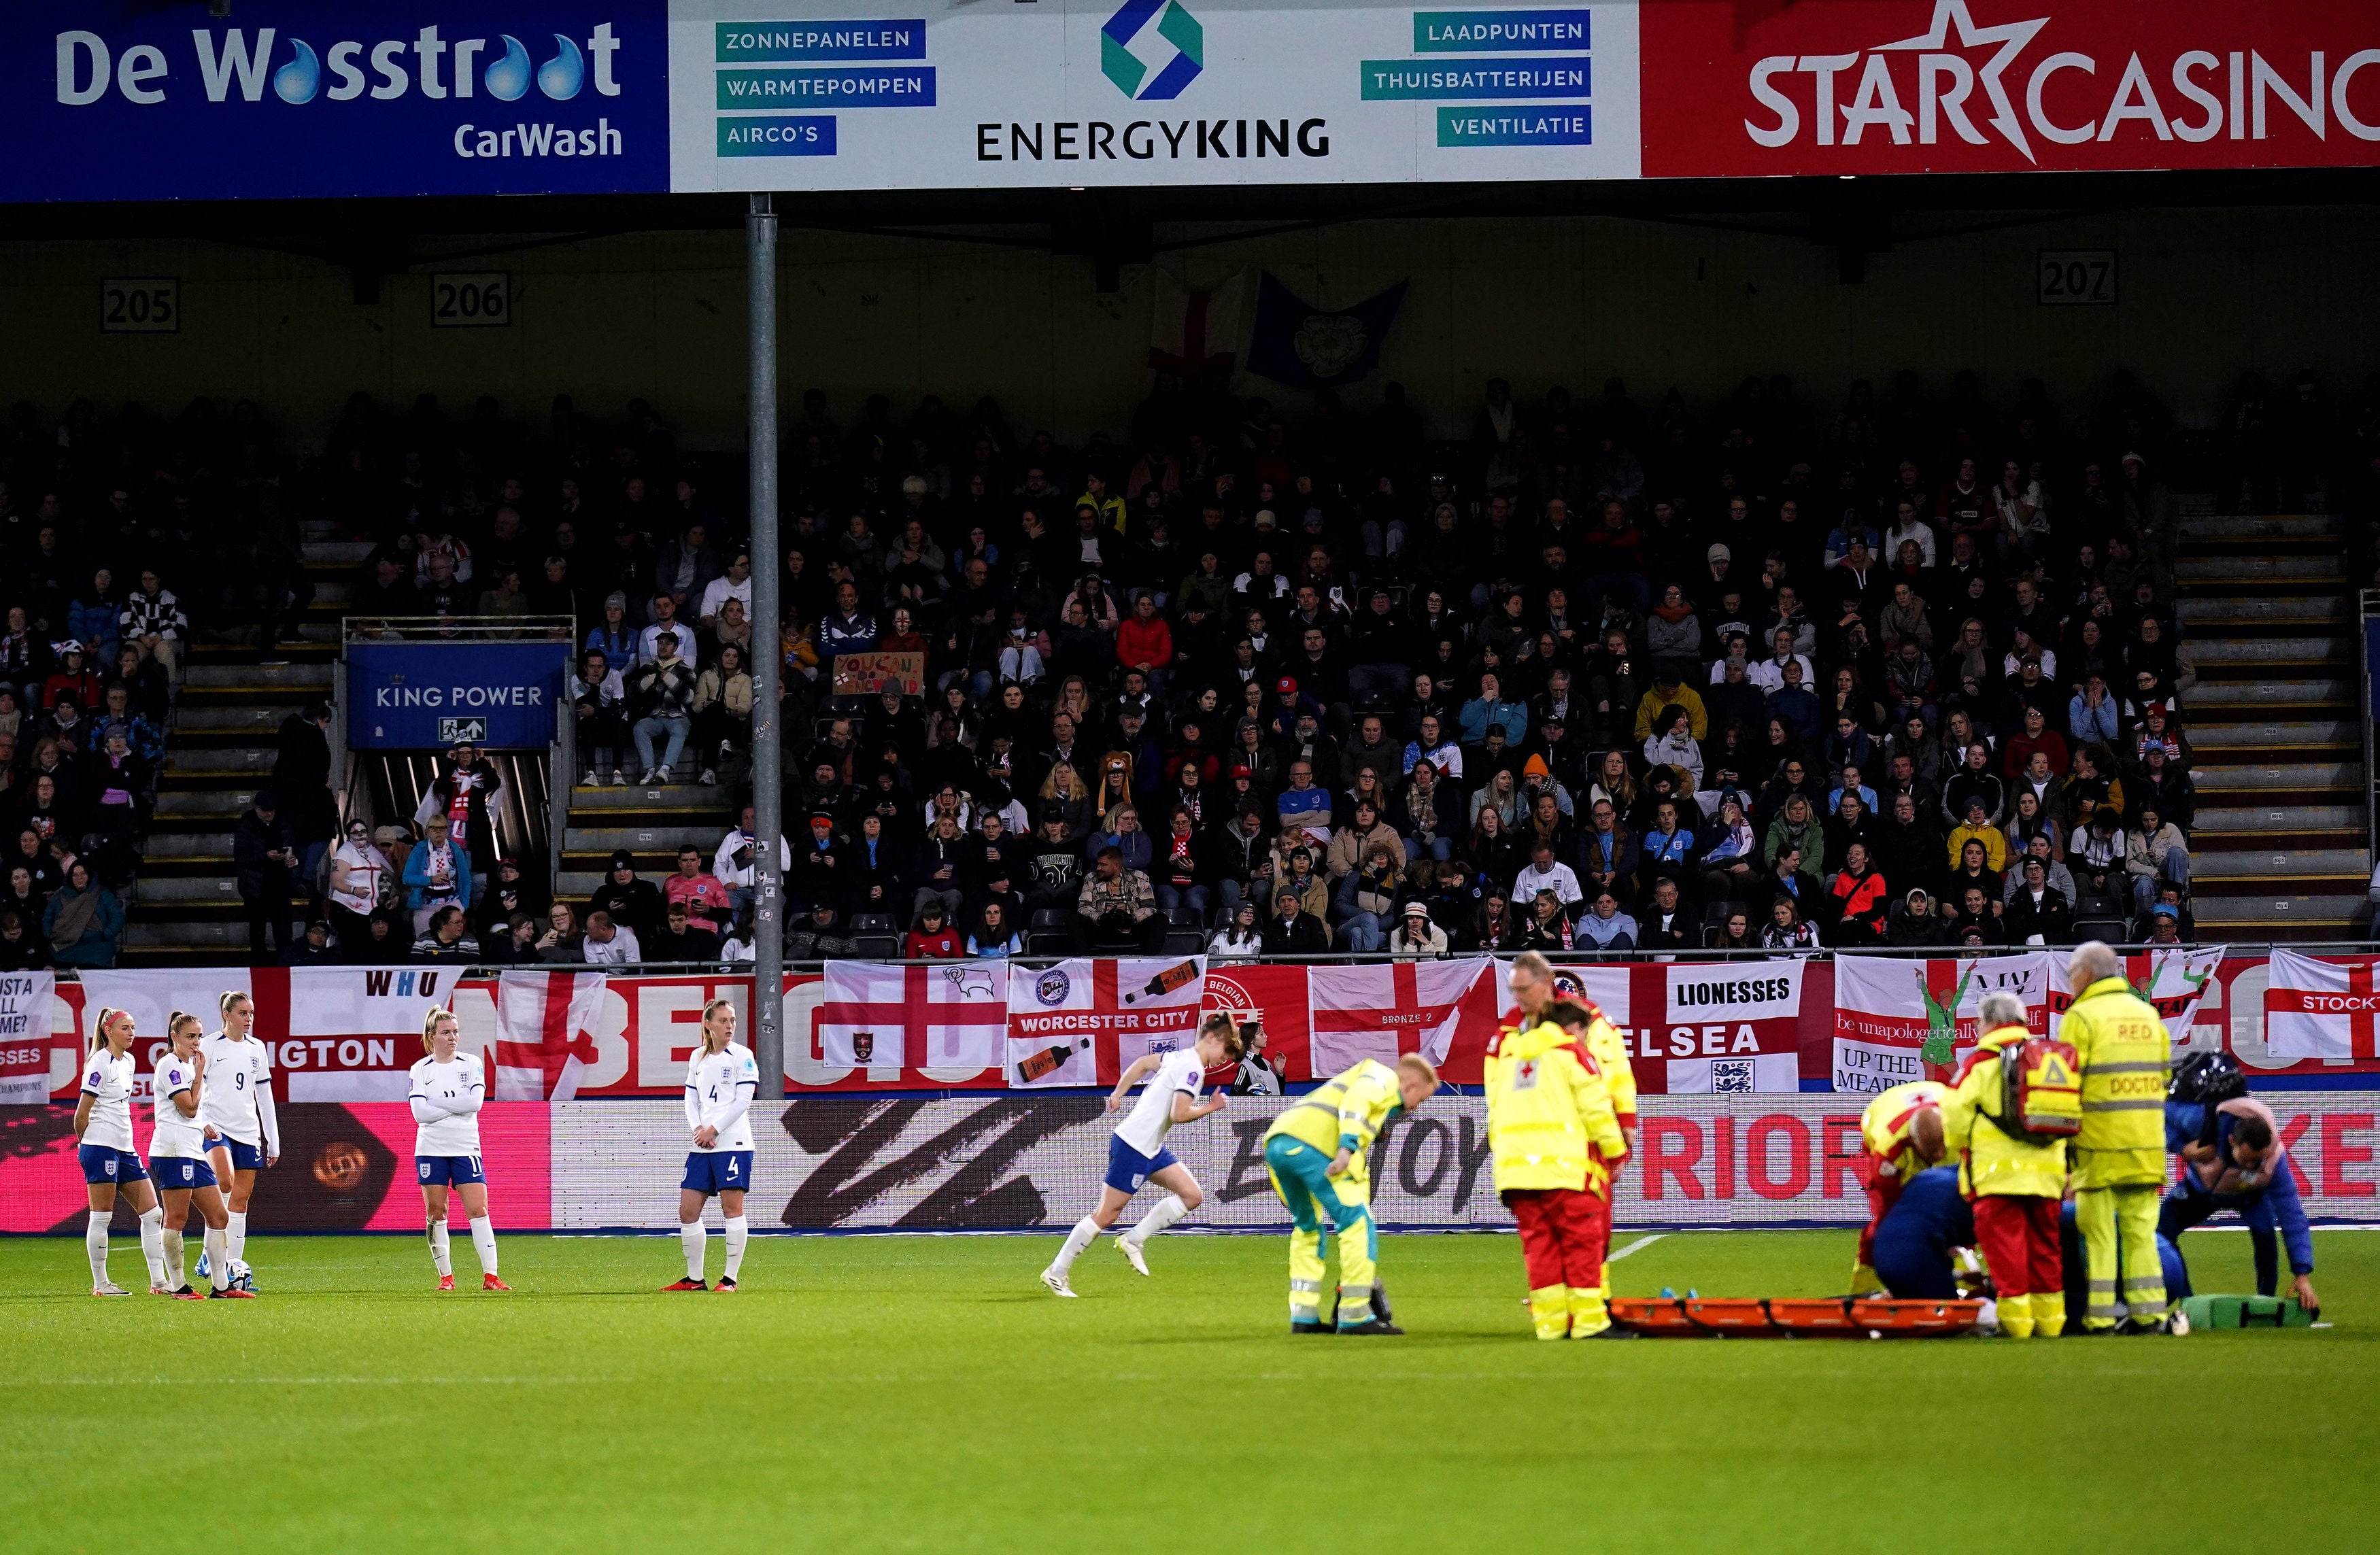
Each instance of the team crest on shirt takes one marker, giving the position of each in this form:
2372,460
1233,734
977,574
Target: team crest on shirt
1052,986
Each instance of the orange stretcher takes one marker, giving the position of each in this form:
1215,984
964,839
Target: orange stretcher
1822,1317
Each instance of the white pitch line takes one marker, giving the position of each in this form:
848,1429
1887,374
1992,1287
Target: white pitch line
1636,1247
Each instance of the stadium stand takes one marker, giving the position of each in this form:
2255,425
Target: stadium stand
1645,652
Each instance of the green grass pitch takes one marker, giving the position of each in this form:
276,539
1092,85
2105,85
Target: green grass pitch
924,1393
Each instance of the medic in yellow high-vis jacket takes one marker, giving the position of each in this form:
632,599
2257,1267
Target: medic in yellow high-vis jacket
1556,1139
1316,1154
2119,1159
2016,1183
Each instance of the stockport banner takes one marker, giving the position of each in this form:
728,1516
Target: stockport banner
1764,88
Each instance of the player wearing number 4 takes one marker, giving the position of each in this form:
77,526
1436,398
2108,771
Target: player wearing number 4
721,1080
102,1125
448,1089
1137,1154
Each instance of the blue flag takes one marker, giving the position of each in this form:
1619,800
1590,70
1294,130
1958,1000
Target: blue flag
1309,348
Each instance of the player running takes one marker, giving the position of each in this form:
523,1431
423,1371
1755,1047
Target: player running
721,1080
178,1161
448,1090
242,1134
1136,1153
102,1125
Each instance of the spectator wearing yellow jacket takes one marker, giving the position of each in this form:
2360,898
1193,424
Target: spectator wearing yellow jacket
1316,1155
2120,1160
2016,1184
1554,1137
1900,1135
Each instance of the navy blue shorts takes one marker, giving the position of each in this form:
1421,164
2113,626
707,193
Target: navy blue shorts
103,1164
244,1156
717,1172
452,1172
181,1171
1128,1169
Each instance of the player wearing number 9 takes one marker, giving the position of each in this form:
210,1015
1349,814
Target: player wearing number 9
448,1089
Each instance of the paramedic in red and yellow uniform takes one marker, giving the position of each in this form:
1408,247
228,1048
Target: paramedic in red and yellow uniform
2015,1181
1900,1135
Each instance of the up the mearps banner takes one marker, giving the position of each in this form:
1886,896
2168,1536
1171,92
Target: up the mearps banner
2321,1009
28,1002
426,695
1762,87
801,94
1080,1022
1901,1018
326,99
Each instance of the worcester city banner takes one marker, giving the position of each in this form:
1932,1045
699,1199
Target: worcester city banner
815,94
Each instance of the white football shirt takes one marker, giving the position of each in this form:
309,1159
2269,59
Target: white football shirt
1151,1118
178,1137
719,1091
235,1073
108,1081
459,1084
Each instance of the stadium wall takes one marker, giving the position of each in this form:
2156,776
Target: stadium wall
2202,295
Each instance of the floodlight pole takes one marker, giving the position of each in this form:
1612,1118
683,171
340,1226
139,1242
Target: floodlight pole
768,663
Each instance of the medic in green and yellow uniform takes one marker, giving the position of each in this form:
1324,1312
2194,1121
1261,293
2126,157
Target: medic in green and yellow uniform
1316,1154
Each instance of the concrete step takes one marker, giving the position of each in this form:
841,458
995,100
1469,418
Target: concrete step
2252,912
2252,526
2208,651
296,677
224,804
598,841
345,553
2202,569
217,934
2193,612
2211,736
193,847
610,801
192,891
2278,819
264,720
248,762
2253,696
2345,777
578,885
2282,859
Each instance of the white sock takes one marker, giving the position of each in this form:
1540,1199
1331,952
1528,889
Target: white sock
174,1280
218,1258
695,1238
236,1238
483,1243
94,1242
152,1245
1163,1213
739,1232
440,1252
1085,1231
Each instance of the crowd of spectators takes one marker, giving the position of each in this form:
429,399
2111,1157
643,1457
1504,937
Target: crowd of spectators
1603,673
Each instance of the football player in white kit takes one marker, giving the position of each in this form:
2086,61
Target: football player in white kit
242,1133
177,1160
102,1125
448,1090
1137,1153
721,1080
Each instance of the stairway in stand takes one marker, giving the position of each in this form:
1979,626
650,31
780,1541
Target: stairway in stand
652,821
2279,851
185,909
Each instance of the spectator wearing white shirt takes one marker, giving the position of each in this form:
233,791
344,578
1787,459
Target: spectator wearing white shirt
1769,673
609,943
732,861
734,583
665,620
1544,874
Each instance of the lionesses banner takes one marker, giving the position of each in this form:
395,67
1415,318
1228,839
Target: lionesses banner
1765,88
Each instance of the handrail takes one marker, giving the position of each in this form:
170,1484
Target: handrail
2365,717
451,630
